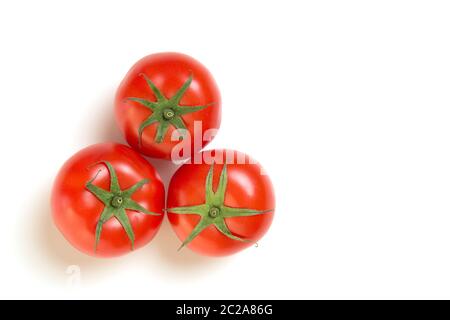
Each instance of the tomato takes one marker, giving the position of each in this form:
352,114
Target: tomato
220,203
107,200
164,92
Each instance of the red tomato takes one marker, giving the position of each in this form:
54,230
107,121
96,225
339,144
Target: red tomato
219,209
164,92
107,199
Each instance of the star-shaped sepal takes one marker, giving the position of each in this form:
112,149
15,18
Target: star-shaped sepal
116,203
165,112
214,211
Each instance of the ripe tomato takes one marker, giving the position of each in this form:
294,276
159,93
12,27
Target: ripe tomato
107,199
221,205
161,93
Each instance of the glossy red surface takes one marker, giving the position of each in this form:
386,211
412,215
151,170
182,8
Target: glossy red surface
247,188
168,71
76,210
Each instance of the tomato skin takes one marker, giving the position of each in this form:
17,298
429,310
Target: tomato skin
168,71
76,210
246,188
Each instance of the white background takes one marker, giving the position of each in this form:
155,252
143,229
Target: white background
345,103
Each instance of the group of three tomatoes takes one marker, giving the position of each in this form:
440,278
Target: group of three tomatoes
108,200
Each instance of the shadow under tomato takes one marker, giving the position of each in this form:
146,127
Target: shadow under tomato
165,169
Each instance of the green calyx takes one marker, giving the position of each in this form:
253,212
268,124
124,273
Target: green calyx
116,203
168,114
214,211
165,112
